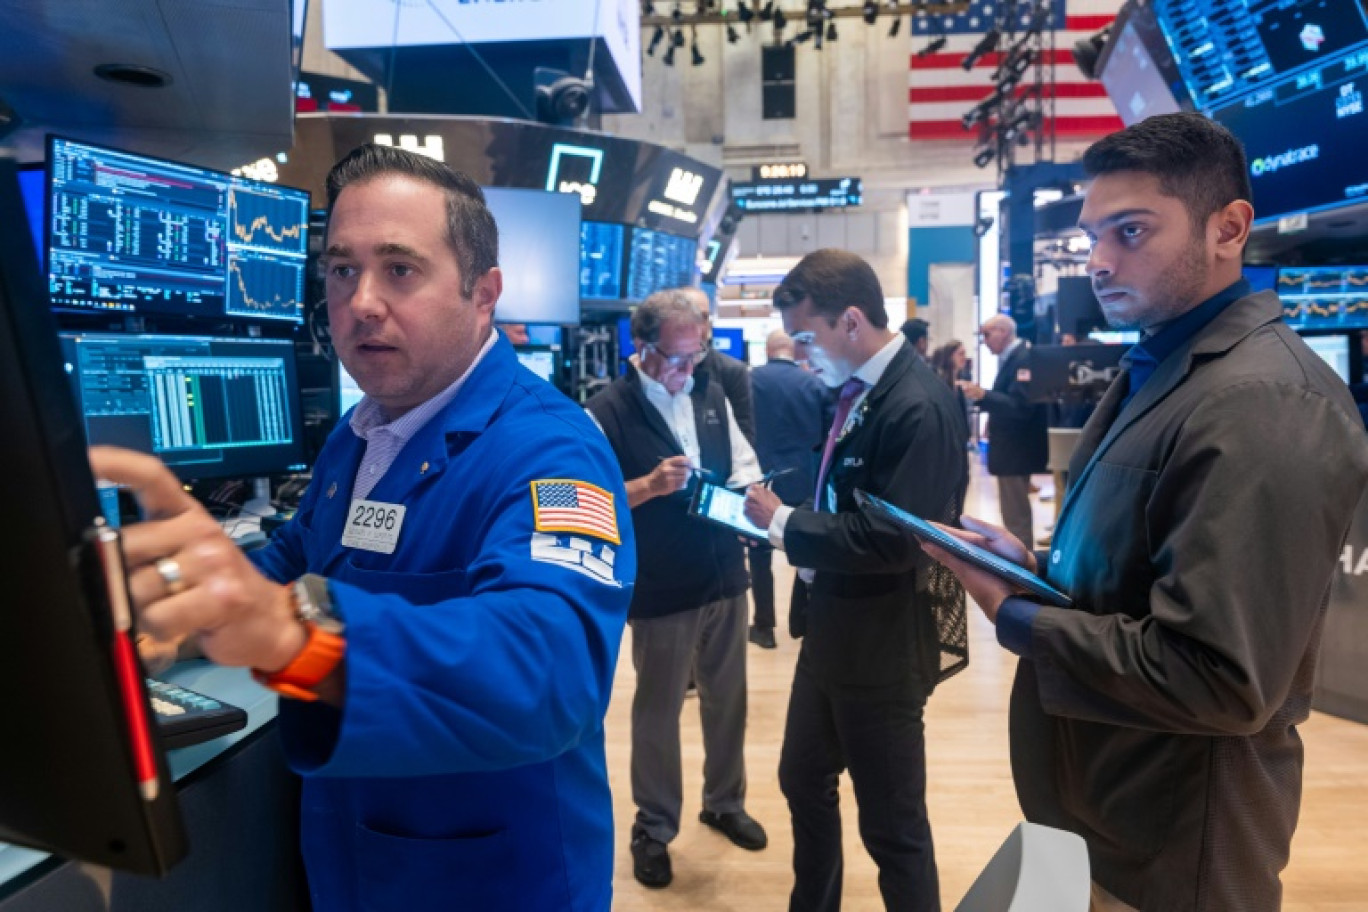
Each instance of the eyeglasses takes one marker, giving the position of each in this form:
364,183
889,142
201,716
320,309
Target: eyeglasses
803,338
678,362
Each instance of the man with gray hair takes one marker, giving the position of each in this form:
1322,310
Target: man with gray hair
1018,444
688,611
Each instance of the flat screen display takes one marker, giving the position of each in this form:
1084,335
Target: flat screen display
208,406
1261,277
540,361
1324,297
348,393
1333,350
601,260
1134,81
137,235
657,261
539,249
33,187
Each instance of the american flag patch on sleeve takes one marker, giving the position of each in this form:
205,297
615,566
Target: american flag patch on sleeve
564,505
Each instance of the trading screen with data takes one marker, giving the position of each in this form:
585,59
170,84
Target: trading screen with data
136,235
1324,297
209,406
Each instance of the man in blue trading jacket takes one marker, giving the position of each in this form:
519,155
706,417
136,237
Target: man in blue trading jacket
465,562
1209,498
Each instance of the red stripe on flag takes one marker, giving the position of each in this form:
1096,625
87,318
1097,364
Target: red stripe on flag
944,60
1087,23
975,94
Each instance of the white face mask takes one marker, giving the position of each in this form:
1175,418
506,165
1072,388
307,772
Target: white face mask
831,372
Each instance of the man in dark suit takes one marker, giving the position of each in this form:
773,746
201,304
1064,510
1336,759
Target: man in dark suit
871,654
789,407
1018,445
1209,500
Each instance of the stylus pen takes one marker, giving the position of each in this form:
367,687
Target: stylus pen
126,662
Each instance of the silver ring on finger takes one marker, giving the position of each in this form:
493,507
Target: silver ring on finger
169,569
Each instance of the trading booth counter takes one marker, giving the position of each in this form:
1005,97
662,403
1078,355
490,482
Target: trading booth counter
240,805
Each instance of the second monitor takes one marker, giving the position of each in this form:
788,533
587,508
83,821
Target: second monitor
208,406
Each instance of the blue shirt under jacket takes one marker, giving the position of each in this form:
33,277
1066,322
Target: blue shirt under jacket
467,769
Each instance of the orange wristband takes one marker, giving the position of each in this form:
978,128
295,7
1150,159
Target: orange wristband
298,680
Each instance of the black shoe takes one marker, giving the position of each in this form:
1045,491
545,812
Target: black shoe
763,637
738,826
650,861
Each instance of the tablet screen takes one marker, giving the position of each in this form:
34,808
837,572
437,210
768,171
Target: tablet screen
984,560
726,507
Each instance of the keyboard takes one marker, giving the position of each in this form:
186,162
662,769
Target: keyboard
185,717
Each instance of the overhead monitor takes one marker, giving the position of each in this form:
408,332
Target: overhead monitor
656,261
81,773
601,260
128,234
811,195
1260,66
539,248
208,406
1324,297
1137,67
1261,276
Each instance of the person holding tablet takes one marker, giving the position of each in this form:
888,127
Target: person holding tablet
1211,494
688,612
871,654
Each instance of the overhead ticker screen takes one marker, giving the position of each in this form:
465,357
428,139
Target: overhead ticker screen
144,236
1225,50
797,195
1324,297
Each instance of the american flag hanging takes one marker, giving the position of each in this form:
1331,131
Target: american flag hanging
564,505
940,91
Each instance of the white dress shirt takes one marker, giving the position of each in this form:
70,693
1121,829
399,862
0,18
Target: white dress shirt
678,412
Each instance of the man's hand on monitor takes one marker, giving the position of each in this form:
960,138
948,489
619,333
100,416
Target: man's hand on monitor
187,577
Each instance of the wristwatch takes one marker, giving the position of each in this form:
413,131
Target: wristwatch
322,651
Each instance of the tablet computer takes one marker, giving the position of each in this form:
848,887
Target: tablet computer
725,507
984,560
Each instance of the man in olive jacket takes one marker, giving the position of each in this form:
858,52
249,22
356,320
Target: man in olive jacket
1211,494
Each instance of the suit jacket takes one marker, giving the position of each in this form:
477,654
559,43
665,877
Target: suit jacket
734,376
1198,539
1017,440
871,612
789,405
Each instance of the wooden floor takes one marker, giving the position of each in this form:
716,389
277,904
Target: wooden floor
969,790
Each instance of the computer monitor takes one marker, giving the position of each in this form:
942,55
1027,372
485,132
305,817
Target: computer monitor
540,360
33,188
656,261
129,234
207,406
1072,372
1261,276
601,261
1334,349
1324,297
81,774
730,341
539,248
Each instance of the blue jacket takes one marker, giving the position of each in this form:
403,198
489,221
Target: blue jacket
467,768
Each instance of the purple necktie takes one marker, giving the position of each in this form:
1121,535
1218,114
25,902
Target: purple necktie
852,388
